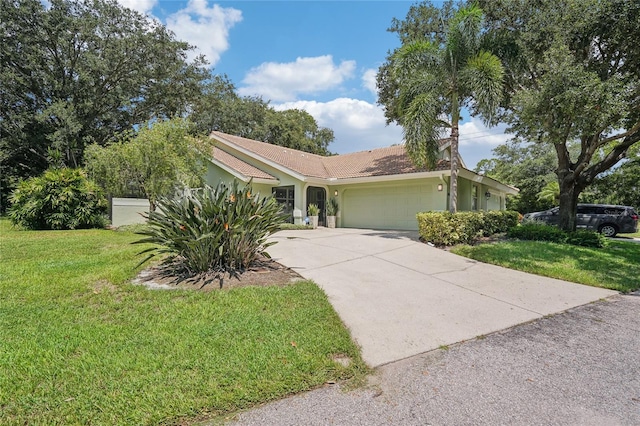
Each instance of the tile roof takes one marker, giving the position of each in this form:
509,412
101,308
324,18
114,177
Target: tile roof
237,164
391,160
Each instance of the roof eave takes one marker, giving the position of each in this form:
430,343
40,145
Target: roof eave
485,180
388,178
259,157
244,178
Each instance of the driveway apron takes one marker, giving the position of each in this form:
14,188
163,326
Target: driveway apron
400,297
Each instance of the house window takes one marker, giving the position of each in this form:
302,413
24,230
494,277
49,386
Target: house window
474,197
284,195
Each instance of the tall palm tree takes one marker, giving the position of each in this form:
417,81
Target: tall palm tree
436,79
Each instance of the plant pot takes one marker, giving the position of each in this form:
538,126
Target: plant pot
314,221
331,221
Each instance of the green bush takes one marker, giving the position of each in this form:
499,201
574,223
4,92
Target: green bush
586,238
294,227
60,198
537,231
444,228
222,229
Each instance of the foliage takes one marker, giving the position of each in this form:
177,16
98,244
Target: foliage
71,324
528,167
550,193
160,160
219,108
313,210
615,266
294,227
542,232
222,229
447,229
573,74
332,206
81,72
59,199
621,185
433,75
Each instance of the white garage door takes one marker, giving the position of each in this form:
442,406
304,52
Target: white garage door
392,207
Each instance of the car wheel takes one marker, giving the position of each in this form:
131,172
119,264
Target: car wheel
608,230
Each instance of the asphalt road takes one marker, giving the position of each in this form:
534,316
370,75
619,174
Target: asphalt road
580,367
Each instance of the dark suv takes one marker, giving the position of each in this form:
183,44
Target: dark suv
606,219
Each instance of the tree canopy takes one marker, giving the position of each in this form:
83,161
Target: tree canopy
440,68
220,108
573,77
159,160
81,72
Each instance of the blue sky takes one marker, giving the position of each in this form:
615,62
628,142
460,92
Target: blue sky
320,56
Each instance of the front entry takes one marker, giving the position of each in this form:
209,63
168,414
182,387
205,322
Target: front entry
318,196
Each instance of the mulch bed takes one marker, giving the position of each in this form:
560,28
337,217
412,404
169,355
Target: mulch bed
264,272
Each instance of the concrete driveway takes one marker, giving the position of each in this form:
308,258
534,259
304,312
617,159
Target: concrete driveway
400,297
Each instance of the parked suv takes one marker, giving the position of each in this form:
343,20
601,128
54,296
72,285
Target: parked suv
606,219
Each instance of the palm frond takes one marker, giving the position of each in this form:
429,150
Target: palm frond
422,130
483,78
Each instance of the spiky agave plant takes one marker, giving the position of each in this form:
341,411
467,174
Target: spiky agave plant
221,229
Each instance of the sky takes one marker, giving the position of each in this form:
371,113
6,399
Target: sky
319,56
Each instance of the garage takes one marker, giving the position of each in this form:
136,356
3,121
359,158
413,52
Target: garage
387,207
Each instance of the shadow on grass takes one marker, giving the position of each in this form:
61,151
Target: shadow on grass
616,267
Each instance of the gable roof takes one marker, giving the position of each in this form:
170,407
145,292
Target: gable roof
246,170
386,161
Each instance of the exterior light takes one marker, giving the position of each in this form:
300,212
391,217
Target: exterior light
335,192
487,194
440,187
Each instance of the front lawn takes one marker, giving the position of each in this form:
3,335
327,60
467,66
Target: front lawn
79,345
615,267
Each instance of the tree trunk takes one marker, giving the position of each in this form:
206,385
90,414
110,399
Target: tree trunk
453,189
568,204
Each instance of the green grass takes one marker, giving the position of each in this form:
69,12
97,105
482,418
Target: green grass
79,345
615,267
636,235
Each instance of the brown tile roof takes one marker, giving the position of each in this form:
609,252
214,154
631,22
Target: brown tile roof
237,164
298,161
391,160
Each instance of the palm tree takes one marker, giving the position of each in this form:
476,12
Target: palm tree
550,193
435,79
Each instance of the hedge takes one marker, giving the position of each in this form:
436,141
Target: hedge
447,229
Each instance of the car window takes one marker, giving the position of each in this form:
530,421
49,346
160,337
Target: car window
613,211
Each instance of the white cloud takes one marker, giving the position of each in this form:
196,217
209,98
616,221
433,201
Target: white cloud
474,132
205,27
369,80
358,125
285,81
478,141
142,6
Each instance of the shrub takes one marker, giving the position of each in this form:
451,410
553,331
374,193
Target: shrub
61,198
294,227
586,238
537,231
213,230
444,228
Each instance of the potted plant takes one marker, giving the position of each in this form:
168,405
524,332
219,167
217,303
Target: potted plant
313,212
332,210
